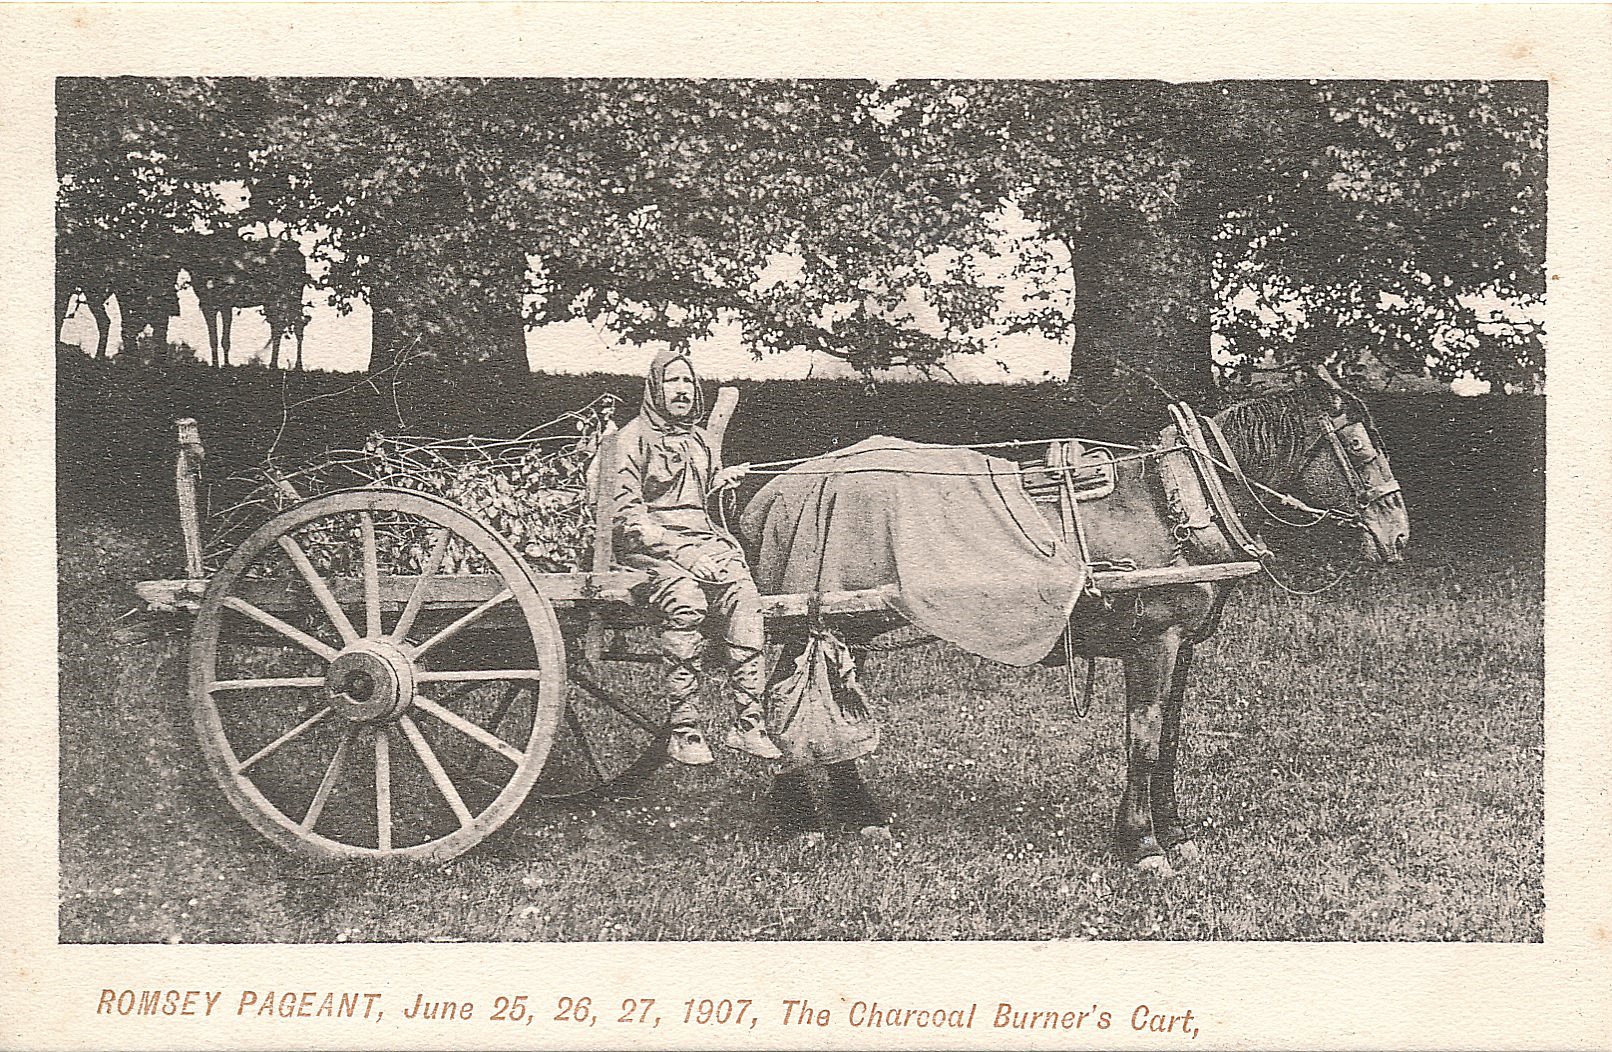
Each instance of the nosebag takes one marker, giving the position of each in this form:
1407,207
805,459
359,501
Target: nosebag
817,711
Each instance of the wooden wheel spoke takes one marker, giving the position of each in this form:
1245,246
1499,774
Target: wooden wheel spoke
433,767
411,610
296,635
464,675
574,721
266,684
383,789
270,748
321,591
463,623
372,577
586,682
465,727
504,705
326,784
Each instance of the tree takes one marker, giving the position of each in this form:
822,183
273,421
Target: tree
657,207
134,163
406,184
1373,212
1423,202
1293,221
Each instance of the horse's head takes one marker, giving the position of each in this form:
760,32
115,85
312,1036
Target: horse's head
1319,443
1347,469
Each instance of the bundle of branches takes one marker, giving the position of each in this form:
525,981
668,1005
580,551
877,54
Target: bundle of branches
533,489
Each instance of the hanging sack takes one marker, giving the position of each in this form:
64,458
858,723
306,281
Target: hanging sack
817,712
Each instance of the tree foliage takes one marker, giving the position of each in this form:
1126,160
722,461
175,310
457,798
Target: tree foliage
1275,221
1298,221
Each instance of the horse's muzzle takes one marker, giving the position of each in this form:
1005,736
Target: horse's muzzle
1377,549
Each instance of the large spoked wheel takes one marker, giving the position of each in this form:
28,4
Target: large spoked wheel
344,688
614,729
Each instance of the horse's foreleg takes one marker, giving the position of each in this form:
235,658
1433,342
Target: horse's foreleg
226,319
1167,825
1148,671
274,348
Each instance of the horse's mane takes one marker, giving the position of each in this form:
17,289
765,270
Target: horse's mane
1270,431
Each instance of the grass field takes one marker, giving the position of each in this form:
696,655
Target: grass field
1364,765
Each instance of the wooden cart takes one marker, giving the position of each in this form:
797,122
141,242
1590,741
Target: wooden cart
353,711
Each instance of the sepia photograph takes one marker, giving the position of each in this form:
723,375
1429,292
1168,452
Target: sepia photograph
668,509
835,525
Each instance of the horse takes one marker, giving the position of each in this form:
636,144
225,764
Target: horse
1315,442
228,271
144,285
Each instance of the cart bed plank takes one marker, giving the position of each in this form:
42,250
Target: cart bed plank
447,590
465,590
860,601
278,595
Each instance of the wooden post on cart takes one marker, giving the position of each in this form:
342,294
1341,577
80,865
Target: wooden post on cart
187,479
716,425
604,530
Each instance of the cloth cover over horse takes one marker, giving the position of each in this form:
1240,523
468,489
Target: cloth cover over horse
973,561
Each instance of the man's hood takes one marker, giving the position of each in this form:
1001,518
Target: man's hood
655,392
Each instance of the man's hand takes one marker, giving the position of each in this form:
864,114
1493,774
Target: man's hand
729,477
705,568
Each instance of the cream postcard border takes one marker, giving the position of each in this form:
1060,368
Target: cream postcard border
1243,995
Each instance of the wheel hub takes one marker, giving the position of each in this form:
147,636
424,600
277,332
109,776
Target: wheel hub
371,680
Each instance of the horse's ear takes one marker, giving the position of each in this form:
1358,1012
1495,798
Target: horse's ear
1329,385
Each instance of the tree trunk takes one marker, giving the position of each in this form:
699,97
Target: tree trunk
505,319
1143,296
383,331
510,347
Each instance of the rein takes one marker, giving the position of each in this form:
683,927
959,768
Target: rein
1231,466
1364,495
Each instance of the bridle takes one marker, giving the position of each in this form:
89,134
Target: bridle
1333,431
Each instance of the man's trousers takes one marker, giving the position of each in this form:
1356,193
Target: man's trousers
693,612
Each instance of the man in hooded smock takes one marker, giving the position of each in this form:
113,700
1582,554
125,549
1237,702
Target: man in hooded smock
699,582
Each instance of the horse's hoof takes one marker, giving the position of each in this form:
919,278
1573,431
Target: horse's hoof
1185,854
1155,866
810,839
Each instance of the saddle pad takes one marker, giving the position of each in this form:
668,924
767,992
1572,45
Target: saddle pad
1093,479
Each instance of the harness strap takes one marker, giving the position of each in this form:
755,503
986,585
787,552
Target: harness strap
1059,460
1341,455
1365,495
1236,532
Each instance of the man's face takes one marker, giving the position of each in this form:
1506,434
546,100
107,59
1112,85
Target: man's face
678,383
